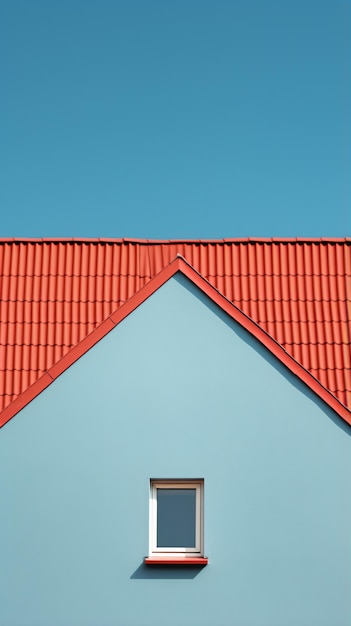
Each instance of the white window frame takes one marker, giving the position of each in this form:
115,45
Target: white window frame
198,550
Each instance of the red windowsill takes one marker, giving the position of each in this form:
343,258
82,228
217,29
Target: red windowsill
199,561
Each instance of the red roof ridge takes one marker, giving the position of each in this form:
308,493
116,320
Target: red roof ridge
179,264
176,240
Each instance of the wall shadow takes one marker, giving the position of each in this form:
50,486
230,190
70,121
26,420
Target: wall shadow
171,572
270,358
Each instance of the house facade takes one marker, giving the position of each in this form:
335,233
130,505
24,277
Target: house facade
178,419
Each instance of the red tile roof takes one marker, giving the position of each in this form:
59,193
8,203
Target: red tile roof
55,292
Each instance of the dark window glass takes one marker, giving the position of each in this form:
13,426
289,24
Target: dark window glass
176,518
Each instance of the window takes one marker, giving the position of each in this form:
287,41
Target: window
176,522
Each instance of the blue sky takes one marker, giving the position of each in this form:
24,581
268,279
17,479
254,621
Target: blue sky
182,118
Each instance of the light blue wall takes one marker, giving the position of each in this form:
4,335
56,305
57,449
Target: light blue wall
176,390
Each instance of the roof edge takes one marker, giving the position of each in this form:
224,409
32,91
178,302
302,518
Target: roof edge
179,264
130,240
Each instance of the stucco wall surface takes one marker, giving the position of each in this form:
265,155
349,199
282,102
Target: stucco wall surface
177,390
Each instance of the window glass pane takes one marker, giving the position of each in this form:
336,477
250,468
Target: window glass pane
176,518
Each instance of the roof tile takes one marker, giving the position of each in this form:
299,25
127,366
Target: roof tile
54,292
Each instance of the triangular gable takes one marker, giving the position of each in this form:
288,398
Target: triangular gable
179,264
